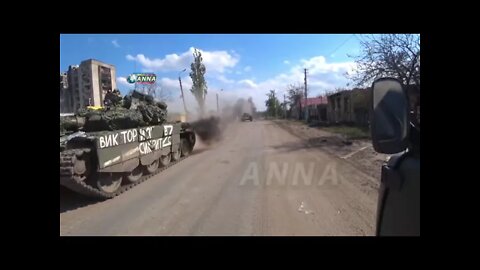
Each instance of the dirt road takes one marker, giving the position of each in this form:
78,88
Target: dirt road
260,180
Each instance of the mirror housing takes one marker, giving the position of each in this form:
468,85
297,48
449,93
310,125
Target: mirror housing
390,122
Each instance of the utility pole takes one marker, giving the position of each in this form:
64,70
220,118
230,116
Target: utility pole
274,104
284,107
181,89
134,71
306,105
218,110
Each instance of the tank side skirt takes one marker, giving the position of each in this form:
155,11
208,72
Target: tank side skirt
72,182
146,144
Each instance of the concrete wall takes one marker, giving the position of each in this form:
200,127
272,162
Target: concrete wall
92,83
74,87
65,95
340,108
317,112
84,85
95,89
86,75
348,106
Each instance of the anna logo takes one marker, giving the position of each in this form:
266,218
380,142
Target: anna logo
142,78
132,78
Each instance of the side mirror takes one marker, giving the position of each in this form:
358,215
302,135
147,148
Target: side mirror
390,124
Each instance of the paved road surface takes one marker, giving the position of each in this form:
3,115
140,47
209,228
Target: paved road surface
254,182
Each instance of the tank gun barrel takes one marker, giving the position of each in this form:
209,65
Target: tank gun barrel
72,123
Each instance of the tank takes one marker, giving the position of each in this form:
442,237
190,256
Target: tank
104,151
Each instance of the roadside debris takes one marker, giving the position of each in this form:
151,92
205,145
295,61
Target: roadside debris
303,210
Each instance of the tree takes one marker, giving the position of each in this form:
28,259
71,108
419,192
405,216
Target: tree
199,86
295,95
283,110
274,108
395,55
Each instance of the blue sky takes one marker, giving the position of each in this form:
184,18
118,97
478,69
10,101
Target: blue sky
244,65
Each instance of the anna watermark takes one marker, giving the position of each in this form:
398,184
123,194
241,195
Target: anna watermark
142,78
292,174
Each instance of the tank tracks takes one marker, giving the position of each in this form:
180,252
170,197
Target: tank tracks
75,183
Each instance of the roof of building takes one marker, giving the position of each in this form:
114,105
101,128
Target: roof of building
349,92
314,101
91,60
339,93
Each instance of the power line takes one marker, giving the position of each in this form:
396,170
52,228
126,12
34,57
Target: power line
361,39
342,44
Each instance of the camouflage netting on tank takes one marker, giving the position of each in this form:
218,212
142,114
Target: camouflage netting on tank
152,114
135,110
112,119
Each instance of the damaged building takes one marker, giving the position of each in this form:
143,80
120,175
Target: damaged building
353,106
317,109
87,85
349,107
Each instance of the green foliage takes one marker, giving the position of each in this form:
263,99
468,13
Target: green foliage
274,107
199,86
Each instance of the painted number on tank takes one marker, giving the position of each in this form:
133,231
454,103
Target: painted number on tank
167,130
167,141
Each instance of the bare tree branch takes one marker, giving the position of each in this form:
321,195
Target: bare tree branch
394,55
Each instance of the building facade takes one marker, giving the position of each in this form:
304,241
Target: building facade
65,97
317,109
349,106
87,85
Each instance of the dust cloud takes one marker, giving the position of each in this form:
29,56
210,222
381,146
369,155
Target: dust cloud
211,128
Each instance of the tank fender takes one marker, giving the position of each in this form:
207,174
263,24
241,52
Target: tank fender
150,158
125,166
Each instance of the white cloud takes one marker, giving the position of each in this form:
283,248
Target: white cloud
286,62
247,68
247,83
123,81
215,61
115,43
318,64
172,83
322,75
222,78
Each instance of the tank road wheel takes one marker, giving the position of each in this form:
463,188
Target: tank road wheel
109,182
185,147
152,167
135,175
176,155
82,162
165,160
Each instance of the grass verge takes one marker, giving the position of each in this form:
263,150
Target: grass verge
351,133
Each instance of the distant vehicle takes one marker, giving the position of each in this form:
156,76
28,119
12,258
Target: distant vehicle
246,117
393,132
